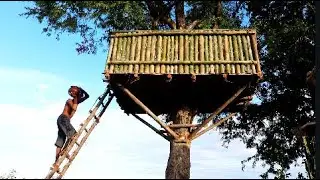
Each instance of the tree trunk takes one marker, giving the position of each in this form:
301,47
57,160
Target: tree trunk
179,164
218,14
180,17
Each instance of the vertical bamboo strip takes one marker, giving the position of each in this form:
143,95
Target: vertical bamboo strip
186,53
163,54
181,53
176,53
147,66
233,68
191,57
127,54
152,53
169,49
119,53
227,53
143,53
172,54
196,54
253,67
109,56
236,54
138,53
114,55
216,53
159,52
201,48
246,53
222,68
132,53
206,54
255,51
124,52
241,54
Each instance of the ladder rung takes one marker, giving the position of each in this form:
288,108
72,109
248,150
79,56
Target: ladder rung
96,118
90,111
86,130
77,143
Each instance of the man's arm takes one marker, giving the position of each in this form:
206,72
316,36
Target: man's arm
83,95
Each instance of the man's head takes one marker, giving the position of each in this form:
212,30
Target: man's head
73,91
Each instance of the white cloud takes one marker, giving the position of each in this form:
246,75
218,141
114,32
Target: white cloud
120,146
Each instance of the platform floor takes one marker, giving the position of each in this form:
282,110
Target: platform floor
206,94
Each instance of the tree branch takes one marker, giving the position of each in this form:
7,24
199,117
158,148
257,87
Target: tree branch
194,24
238,6
164,16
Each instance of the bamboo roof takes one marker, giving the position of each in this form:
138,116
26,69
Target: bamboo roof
200,52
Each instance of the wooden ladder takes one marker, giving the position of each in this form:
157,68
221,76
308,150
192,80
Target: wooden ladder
83,133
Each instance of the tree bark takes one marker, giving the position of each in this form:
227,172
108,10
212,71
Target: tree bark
218,13
180,17
179,164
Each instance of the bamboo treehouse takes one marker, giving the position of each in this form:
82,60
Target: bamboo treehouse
197,68
181,73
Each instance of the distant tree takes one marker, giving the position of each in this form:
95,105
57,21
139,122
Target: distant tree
286,32
10,175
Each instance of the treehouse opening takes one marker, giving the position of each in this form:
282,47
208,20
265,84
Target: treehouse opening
199,69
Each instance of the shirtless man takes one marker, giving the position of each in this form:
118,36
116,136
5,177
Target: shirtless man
65,129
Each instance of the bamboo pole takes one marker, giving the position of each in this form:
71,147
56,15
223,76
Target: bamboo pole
110,68
212,126
151,127
185,62
143,54
253,67
148,111
152,53
184,32
233,68
216,112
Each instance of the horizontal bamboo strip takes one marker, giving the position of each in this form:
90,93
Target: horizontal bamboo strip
204,32
183,62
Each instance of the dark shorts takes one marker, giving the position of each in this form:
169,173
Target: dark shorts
65,129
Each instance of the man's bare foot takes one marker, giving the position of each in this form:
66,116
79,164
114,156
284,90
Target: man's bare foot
54,166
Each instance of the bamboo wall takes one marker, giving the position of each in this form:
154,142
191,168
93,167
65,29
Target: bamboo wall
183,52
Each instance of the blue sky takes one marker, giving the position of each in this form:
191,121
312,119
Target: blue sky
36,72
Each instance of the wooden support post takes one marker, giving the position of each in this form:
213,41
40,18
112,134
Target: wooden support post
148,111
212,126
151,127
216,112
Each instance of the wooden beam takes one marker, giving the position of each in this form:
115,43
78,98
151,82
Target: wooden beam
216,112
148,111
151,127
183,125
212,126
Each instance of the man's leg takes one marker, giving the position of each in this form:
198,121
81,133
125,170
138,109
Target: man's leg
59,144
69,131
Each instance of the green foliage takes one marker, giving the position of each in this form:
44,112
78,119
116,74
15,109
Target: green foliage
10,175
286,32
92,20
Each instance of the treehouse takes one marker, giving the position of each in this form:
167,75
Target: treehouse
165,70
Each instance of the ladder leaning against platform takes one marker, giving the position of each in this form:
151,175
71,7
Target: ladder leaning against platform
73,148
